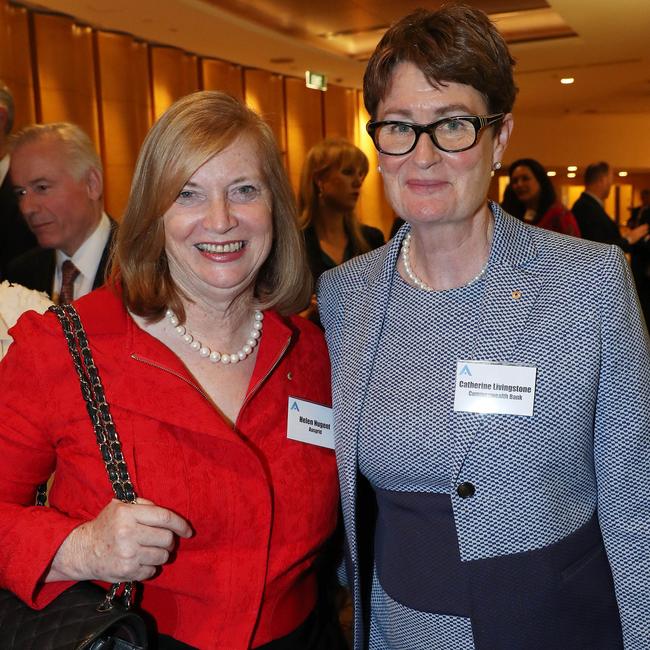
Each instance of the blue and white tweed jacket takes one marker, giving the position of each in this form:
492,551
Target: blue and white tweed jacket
582,459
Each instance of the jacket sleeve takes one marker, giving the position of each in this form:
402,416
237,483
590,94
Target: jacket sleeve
622,447
29,535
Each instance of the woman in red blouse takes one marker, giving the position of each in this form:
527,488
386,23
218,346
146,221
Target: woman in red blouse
531,197
199,356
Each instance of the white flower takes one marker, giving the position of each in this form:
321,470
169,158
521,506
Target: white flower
14,301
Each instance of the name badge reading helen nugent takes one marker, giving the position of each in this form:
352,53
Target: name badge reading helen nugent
310,422
484,387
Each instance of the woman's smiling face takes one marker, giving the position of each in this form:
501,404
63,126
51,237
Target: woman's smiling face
219,231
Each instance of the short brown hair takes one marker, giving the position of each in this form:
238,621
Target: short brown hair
595,171
187,135
454,44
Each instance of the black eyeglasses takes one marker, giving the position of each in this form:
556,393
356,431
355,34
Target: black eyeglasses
450,134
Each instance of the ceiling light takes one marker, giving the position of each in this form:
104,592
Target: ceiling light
551,173
623,174
571,175
572,168
567,81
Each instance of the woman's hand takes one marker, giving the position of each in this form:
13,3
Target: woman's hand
124,542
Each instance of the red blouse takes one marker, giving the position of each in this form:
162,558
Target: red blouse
260,505
559,219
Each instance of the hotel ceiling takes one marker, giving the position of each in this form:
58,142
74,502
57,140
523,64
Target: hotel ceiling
352,28
603,44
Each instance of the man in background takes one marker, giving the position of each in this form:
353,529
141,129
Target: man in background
640,214
15,237
57,178
640,253
589,211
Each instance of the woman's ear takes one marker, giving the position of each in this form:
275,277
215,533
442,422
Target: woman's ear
502,137
318,182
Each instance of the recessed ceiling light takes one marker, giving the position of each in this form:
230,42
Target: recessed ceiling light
567,81
571,175
572,168
622,174
551,173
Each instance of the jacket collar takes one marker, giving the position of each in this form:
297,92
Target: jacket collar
512,247
151,380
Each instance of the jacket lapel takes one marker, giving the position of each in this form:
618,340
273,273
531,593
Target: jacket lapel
365,310
100,276
511,290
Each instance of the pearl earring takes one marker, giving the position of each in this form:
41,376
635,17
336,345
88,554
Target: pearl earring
496,166
379,168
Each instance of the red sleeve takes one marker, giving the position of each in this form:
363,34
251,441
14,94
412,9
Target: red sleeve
559,219
570,224
30,535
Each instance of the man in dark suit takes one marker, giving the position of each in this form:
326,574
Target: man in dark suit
640,253
57,177
15,237
640,214
589,211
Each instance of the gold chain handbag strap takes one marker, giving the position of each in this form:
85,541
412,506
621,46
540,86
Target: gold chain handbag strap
108,441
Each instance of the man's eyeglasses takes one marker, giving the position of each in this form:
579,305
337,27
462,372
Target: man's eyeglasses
450,134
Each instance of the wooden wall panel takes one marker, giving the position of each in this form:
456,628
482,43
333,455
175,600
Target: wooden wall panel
65,69
340,113
125,110
304,124
372,209
174,74
16,62
224,76
265,95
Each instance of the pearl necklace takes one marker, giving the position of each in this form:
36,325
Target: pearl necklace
214,356
406,250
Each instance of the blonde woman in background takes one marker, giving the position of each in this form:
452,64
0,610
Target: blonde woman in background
330,184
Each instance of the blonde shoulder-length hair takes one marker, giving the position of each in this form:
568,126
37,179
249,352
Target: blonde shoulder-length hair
187,135
331,153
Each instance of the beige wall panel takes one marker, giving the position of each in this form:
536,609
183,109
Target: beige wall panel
340,112
265,95
66,73
174,74
304,124
373,209
16,62
125,110
558,141
224,76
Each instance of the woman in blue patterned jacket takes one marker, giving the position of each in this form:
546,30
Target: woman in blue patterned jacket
490,384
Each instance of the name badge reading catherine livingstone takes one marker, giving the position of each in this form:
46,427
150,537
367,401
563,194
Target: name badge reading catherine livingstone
484,387
310,422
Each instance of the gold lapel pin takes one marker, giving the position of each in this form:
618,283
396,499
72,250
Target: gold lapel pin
516,294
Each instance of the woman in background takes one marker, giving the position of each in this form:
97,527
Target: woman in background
531,197
330,184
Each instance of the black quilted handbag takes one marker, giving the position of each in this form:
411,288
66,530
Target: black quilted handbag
84,617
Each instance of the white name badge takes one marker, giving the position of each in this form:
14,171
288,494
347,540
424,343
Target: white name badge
310,422
484,387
